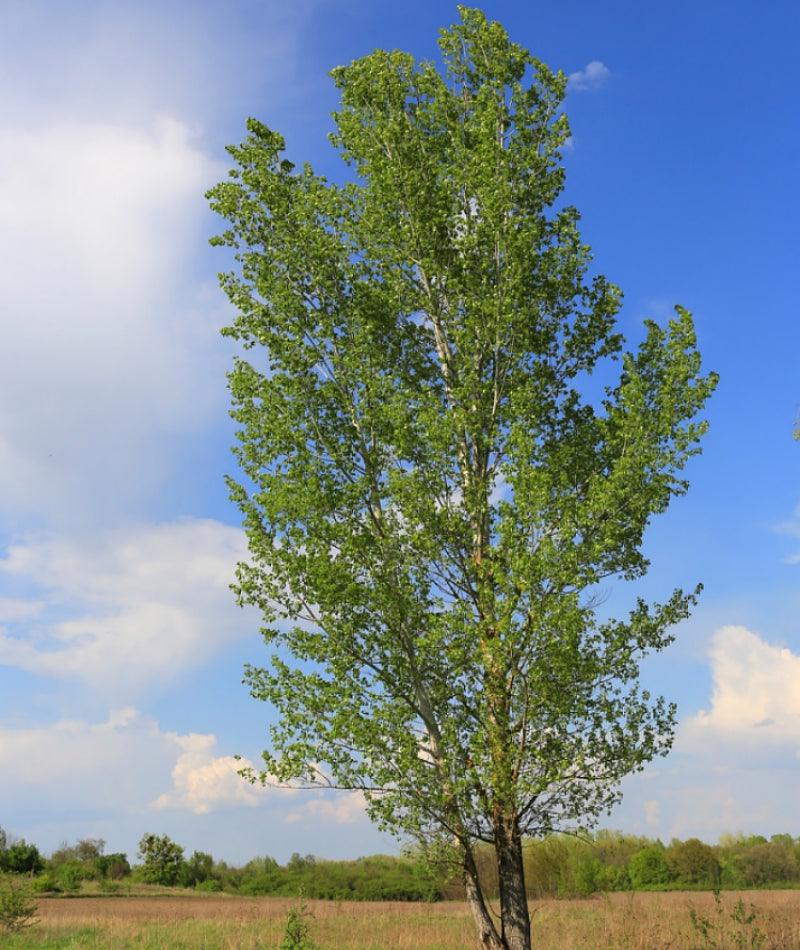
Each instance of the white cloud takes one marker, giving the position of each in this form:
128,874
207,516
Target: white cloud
126,774
120,765
203,782
107,355
592,76
341,808
652,813
77,766
111,363
735,765
756,693
126,608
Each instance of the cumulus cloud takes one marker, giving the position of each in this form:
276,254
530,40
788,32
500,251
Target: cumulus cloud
203,782
341,808
125,774
79,766
125,608
736,764
756,692
592,76
120,765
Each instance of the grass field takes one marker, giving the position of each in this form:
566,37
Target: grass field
632,921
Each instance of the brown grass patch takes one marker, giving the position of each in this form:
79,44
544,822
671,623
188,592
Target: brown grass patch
625,921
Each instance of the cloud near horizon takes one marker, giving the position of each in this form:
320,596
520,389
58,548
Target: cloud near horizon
735,766
123,610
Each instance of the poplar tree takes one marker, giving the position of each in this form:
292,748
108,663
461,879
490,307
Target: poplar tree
445,451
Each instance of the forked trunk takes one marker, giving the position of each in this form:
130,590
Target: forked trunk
516,920
488,937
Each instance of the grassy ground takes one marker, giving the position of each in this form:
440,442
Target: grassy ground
630,921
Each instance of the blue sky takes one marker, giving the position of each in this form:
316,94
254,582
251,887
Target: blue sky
120,648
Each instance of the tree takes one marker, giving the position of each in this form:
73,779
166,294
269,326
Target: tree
21,858
693,862
162,859
197,869
648,867
435,479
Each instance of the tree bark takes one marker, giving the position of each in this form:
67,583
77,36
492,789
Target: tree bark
488,937
514,914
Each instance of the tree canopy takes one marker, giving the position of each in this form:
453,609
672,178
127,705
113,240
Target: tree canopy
435,480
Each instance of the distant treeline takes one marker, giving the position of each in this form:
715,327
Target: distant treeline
556,866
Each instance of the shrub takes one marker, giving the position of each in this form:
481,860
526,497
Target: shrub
297,935
17,907
197,869
70,876
44,883
648,868
768,863
21,858
162,859
113,866
210,885
692,862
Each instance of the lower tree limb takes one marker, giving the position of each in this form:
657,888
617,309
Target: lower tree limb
488,937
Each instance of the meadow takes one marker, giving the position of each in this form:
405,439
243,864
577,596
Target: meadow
769,920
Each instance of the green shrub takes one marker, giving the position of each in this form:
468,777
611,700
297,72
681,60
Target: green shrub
297,935
210,885
693,862
17,907
70,876
114,866
162,859
45,883
648,868
21,858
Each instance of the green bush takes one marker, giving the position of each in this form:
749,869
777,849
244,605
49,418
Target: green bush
113,866
297,935
162,859
17,906
45,883
71,876
21,858
693,862
210,885
648,868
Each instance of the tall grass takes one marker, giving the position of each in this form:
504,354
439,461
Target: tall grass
654,921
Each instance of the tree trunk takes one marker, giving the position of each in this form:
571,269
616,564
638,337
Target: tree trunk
488,937
514,913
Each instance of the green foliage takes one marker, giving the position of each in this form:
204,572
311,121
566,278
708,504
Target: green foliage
88,862
693,862
198,869
21,858
210,885
17,906
715,931
298,931
45,883
70,876
648,868
111,866
162,859
373,878
444,449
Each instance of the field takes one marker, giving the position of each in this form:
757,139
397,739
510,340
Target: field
631,921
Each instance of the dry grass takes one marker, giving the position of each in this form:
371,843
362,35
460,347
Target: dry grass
629,921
